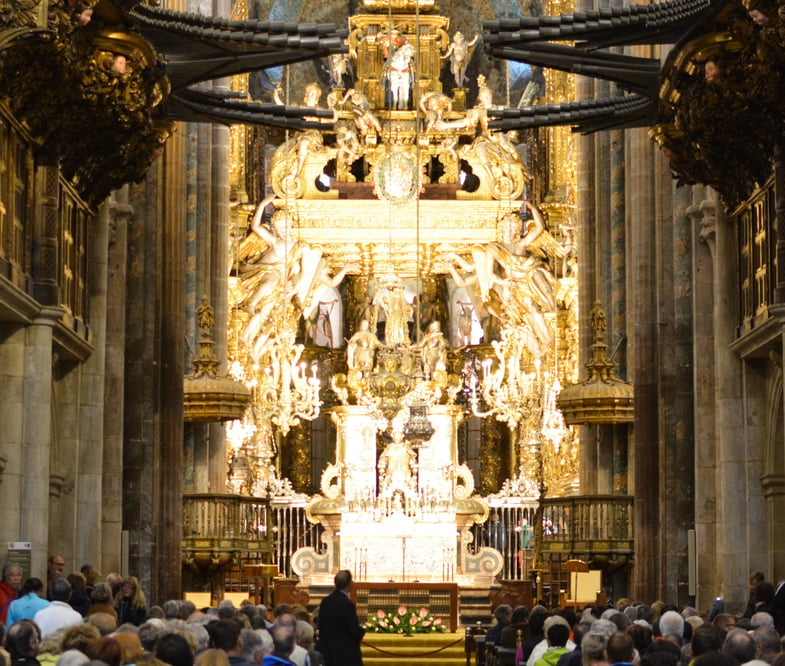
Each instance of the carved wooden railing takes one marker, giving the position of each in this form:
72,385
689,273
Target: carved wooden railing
588,524
219,528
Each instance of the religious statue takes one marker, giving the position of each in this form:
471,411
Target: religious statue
434,105
399,73
365,310
283,283
392,298
433,350
361,348
459,54
397,467
364,118
514,284
204,315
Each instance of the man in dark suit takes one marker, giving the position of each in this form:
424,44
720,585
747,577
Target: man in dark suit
340,632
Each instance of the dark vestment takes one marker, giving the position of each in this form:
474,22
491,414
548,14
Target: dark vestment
340,632
510,634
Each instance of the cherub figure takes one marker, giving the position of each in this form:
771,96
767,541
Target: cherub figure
363,116
458,53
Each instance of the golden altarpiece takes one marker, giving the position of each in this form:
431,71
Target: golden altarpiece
400,280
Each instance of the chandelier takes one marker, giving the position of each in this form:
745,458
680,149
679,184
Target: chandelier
287,390
510,393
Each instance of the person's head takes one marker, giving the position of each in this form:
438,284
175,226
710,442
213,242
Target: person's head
187,608
252,646
101,594
593,647
343,580
212,657
105,649
740,645
620,647
77,580
662,653
520,615
34,586
724,621
23,639
171,609
671,623
72,658
130,647
60,590
758,17
131,591
174,649
105,623
557,635
767,643
761,619
12,575
764,592
202,638
56,563
150,632
641,635
76,638
224,634
503,613
283,640
707,638
303,634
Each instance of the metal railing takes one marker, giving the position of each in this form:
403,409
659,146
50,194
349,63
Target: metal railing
292,530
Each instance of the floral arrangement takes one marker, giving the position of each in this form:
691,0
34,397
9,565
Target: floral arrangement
404,621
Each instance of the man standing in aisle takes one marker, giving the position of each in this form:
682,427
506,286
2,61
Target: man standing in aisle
340,632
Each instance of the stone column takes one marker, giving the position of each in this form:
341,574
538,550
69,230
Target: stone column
703,217
119,214
12,434
679,473
586,223
219,274
643,335
732,515
37,433
89,479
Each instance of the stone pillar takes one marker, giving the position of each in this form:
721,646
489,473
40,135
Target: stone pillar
585,239
169,477
678,473
643,335
89,479
702,216
119,214
219,274
12,434
732,516
37,433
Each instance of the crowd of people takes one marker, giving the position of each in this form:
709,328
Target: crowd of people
84,618
636,634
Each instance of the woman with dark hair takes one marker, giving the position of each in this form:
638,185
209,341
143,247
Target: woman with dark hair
29,602
130,603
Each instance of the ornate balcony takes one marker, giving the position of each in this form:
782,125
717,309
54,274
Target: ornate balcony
219,529
594,528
